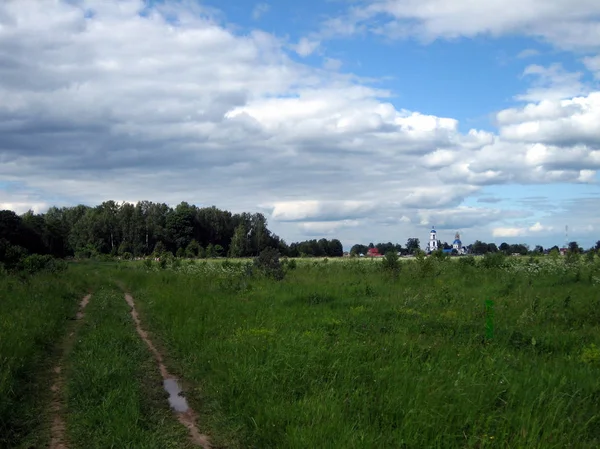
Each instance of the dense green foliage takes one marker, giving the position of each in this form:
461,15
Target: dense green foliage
146,228
344,355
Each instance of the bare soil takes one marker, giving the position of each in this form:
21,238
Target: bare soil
188,417
58,429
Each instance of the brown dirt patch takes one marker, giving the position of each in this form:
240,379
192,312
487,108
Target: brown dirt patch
187,418
58,428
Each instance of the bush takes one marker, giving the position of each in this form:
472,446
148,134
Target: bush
493,260
268,263
391,263
36,263
467,261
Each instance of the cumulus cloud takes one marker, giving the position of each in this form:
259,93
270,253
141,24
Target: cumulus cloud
306,46
566,24
521,231
320,210
321,228
117,99
552,83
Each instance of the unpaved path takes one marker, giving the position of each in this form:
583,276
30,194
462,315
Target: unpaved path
185,415
58,428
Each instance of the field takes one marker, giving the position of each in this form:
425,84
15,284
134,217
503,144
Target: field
345,354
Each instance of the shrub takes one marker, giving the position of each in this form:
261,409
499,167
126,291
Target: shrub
269,264
467,261
493,260
391,263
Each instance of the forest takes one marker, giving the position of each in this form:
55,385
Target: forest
129,231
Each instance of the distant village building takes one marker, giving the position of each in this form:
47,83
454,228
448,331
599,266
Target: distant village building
373,252
457,245
432,245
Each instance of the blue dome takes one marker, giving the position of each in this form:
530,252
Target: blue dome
457,242
433,231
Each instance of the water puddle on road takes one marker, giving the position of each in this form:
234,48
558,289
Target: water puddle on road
176,400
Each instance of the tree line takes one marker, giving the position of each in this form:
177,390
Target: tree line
146,228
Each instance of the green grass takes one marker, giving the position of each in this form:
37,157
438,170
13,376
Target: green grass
34,314
341,355
114,391
335,355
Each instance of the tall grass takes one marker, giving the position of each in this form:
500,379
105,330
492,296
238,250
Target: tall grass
34,312
344,355
114,391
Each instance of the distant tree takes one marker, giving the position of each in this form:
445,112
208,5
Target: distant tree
358,249
492,248
239,242
336,249
412,245
218,250
159,248
574,247
192,249
538,249
479,247
597,247
210,251
505,248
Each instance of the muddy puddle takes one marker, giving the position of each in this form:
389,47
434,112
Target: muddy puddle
176,400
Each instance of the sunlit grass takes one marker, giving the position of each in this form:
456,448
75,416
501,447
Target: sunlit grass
343,355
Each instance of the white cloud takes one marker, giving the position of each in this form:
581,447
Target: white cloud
118,105
566,24
320,210
260,9
332,64
322,228
528,53
508,232
521,231
593,65
306,47
552,83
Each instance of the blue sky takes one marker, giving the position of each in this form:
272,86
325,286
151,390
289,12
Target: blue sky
366,120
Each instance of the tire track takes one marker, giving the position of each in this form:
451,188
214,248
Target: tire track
58,428
185,414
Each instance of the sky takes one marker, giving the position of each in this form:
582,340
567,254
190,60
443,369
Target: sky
363,120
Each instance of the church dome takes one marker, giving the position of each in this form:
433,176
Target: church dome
433,231
457,242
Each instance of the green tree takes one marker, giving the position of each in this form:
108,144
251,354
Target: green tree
210,251
192,249
413,245
239,242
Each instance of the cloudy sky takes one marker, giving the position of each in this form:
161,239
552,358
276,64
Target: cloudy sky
366,120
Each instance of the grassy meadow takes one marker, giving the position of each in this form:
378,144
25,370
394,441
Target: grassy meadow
334,355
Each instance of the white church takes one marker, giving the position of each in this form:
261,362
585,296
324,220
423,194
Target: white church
433,244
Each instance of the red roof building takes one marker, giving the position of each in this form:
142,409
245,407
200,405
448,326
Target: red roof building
373,252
